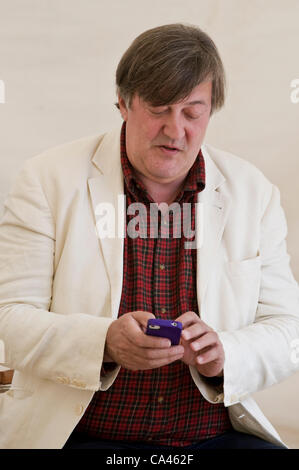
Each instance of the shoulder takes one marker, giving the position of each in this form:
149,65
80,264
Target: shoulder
65,167
60,172
235,170
241,179
228,162
67,155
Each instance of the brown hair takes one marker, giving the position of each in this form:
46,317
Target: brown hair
164,64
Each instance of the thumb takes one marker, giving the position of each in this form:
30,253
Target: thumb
142,318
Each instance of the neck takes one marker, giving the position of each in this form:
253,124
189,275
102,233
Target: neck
162,192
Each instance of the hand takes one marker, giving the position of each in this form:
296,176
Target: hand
202,346
130,347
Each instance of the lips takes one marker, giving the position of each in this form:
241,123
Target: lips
167,147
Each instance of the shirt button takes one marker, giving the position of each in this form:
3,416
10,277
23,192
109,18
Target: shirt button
162,266
160,400
219,398
163,310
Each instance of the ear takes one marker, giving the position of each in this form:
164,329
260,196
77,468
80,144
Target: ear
123,107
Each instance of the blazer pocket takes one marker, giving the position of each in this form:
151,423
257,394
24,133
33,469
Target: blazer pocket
242,287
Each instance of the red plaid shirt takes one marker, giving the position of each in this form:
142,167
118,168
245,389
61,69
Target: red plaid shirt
161,405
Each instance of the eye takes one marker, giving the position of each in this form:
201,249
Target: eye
192,116
195,112
158,111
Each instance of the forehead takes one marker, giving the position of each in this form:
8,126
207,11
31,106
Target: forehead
204,89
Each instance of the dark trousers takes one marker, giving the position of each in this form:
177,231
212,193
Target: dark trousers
228,440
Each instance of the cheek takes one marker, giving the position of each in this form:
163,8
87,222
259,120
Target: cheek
149,127
151,131
195,138
197,133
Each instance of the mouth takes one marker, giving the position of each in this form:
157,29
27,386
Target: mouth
168,149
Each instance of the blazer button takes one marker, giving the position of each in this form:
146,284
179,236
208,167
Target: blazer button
79,410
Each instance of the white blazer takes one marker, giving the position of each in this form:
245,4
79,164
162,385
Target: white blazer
60,288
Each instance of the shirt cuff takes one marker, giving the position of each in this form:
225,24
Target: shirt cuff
107,367
216,381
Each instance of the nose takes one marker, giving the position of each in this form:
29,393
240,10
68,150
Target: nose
174,127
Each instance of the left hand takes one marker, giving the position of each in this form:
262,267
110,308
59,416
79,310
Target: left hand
203,348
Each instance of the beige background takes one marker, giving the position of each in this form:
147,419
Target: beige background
58,59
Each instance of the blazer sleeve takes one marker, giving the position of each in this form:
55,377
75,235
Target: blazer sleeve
262,354
65,349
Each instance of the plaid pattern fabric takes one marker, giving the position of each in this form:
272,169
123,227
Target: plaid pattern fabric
161,405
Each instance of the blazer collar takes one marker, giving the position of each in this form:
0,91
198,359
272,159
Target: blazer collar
107,156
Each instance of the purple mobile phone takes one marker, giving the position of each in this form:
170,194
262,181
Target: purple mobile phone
165,328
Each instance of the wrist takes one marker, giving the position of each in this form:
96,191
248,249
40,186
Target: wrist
107,356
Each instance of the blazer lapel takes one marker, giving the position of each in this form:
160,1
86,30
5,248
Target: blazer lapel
215,208
107,193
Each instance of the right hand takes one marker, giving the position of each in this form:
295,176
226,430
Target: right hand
128,345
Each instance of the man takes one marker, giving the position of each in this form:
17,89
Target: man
75,303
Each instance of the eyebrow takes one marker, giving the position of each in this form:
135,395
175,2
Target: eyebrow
192,103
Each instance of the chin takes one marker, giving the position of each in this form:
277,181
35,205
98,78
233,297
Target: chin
164,177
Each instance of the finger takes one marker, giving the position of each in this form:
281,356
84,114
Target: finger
144,359
188,318
136,335
153,354
212,354
195,330
135,322
207,339
142,317
155,363
154,342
